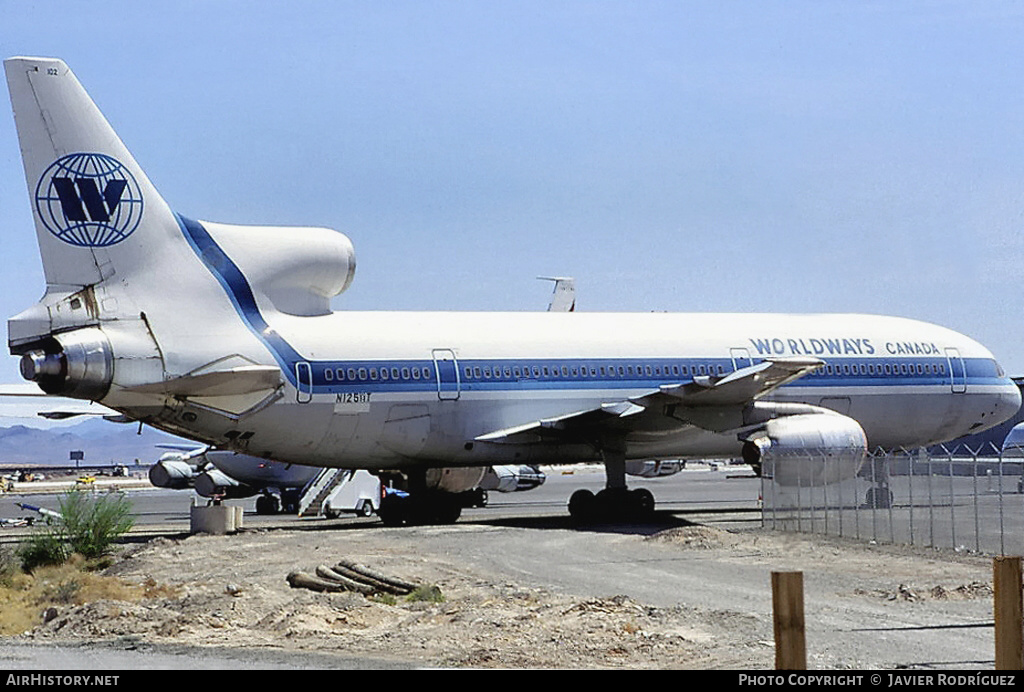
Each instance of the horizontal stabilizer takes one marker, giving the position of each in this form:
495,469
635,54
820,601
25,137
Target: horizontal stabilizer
232,382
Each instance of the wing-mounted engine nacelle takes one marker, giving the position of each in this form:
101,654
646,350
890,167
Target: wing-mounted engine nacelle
509,479
653,468
215,483
172,473
455,480
77,364
807,449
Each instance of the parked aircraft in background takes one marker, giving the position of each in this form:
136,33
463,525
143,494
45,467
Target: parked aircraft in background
563,299
223,474
245,353
1013,444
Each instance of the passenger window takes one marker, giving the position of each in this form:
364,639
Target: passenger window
383,373
405,373
351,373
340,374
328,374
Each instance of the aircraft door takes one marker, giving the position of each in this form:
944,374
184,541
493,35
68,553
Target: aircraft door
957,371
446,367
740,358
303,382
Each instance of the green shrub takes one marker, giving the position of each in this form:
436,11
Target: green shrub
91,523
429,594
88,525
43,548
9,563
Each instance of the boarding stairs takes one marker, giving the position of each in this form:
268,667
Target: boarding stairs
311,504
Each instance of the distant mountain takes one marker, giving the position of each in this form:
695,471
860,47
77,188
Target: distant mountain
101,441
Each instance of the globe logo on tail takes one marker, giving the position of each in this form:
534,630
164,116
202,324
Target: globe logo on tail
89,200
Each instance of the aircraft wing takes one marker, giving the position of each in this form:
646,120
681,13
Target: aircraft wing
712,402
68,408
739,387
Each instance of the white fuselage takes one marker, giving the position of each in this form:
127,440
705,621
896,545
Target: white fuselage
391,390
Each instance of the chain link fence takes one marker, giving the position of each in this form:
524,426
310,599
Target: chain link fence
952,498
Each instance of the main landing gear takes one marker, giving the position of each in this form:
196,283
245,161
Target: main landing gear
616,502
268,503
420,505
419,508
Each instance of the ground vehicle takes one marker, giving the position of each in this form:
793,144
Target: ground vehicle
360,493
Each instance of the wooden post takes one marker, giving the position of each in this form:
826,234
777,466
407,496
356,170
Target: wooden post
1006,581
788,615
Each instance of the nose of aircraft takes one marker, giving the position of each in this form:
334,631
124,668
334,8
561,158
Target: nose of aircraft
1009,401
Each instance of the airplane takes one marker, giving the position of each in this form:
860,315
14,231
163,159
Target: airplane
225,474
224,334
1013,443
563,298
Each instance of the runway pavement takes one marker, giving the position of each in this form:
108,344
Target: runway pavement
699,489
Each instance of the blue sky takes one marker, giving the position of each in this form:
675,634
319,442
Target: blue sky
681,156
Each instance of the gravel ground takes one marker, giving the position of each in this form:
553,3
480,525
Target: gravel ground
690,596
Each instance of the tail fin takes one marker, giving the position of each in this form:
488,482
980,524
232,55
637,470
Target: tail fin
136,296
91,201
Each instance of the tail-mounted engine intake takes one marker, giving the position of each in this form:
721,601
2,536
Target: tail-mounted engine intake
77,364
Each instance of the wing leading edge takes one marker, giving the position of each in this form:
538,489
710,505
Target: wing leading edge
713,402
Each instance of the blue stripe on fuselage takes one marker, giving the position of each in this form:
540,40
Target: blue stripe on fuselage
580,373
237,287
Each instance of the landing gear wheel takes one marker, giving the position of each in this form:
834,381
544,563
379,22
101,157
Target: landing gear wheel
618,504
443,511
394,511
582,506
267,504
642,501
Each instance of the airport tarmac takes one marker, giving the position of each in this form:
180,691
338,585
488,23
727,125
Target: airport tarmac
524,589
